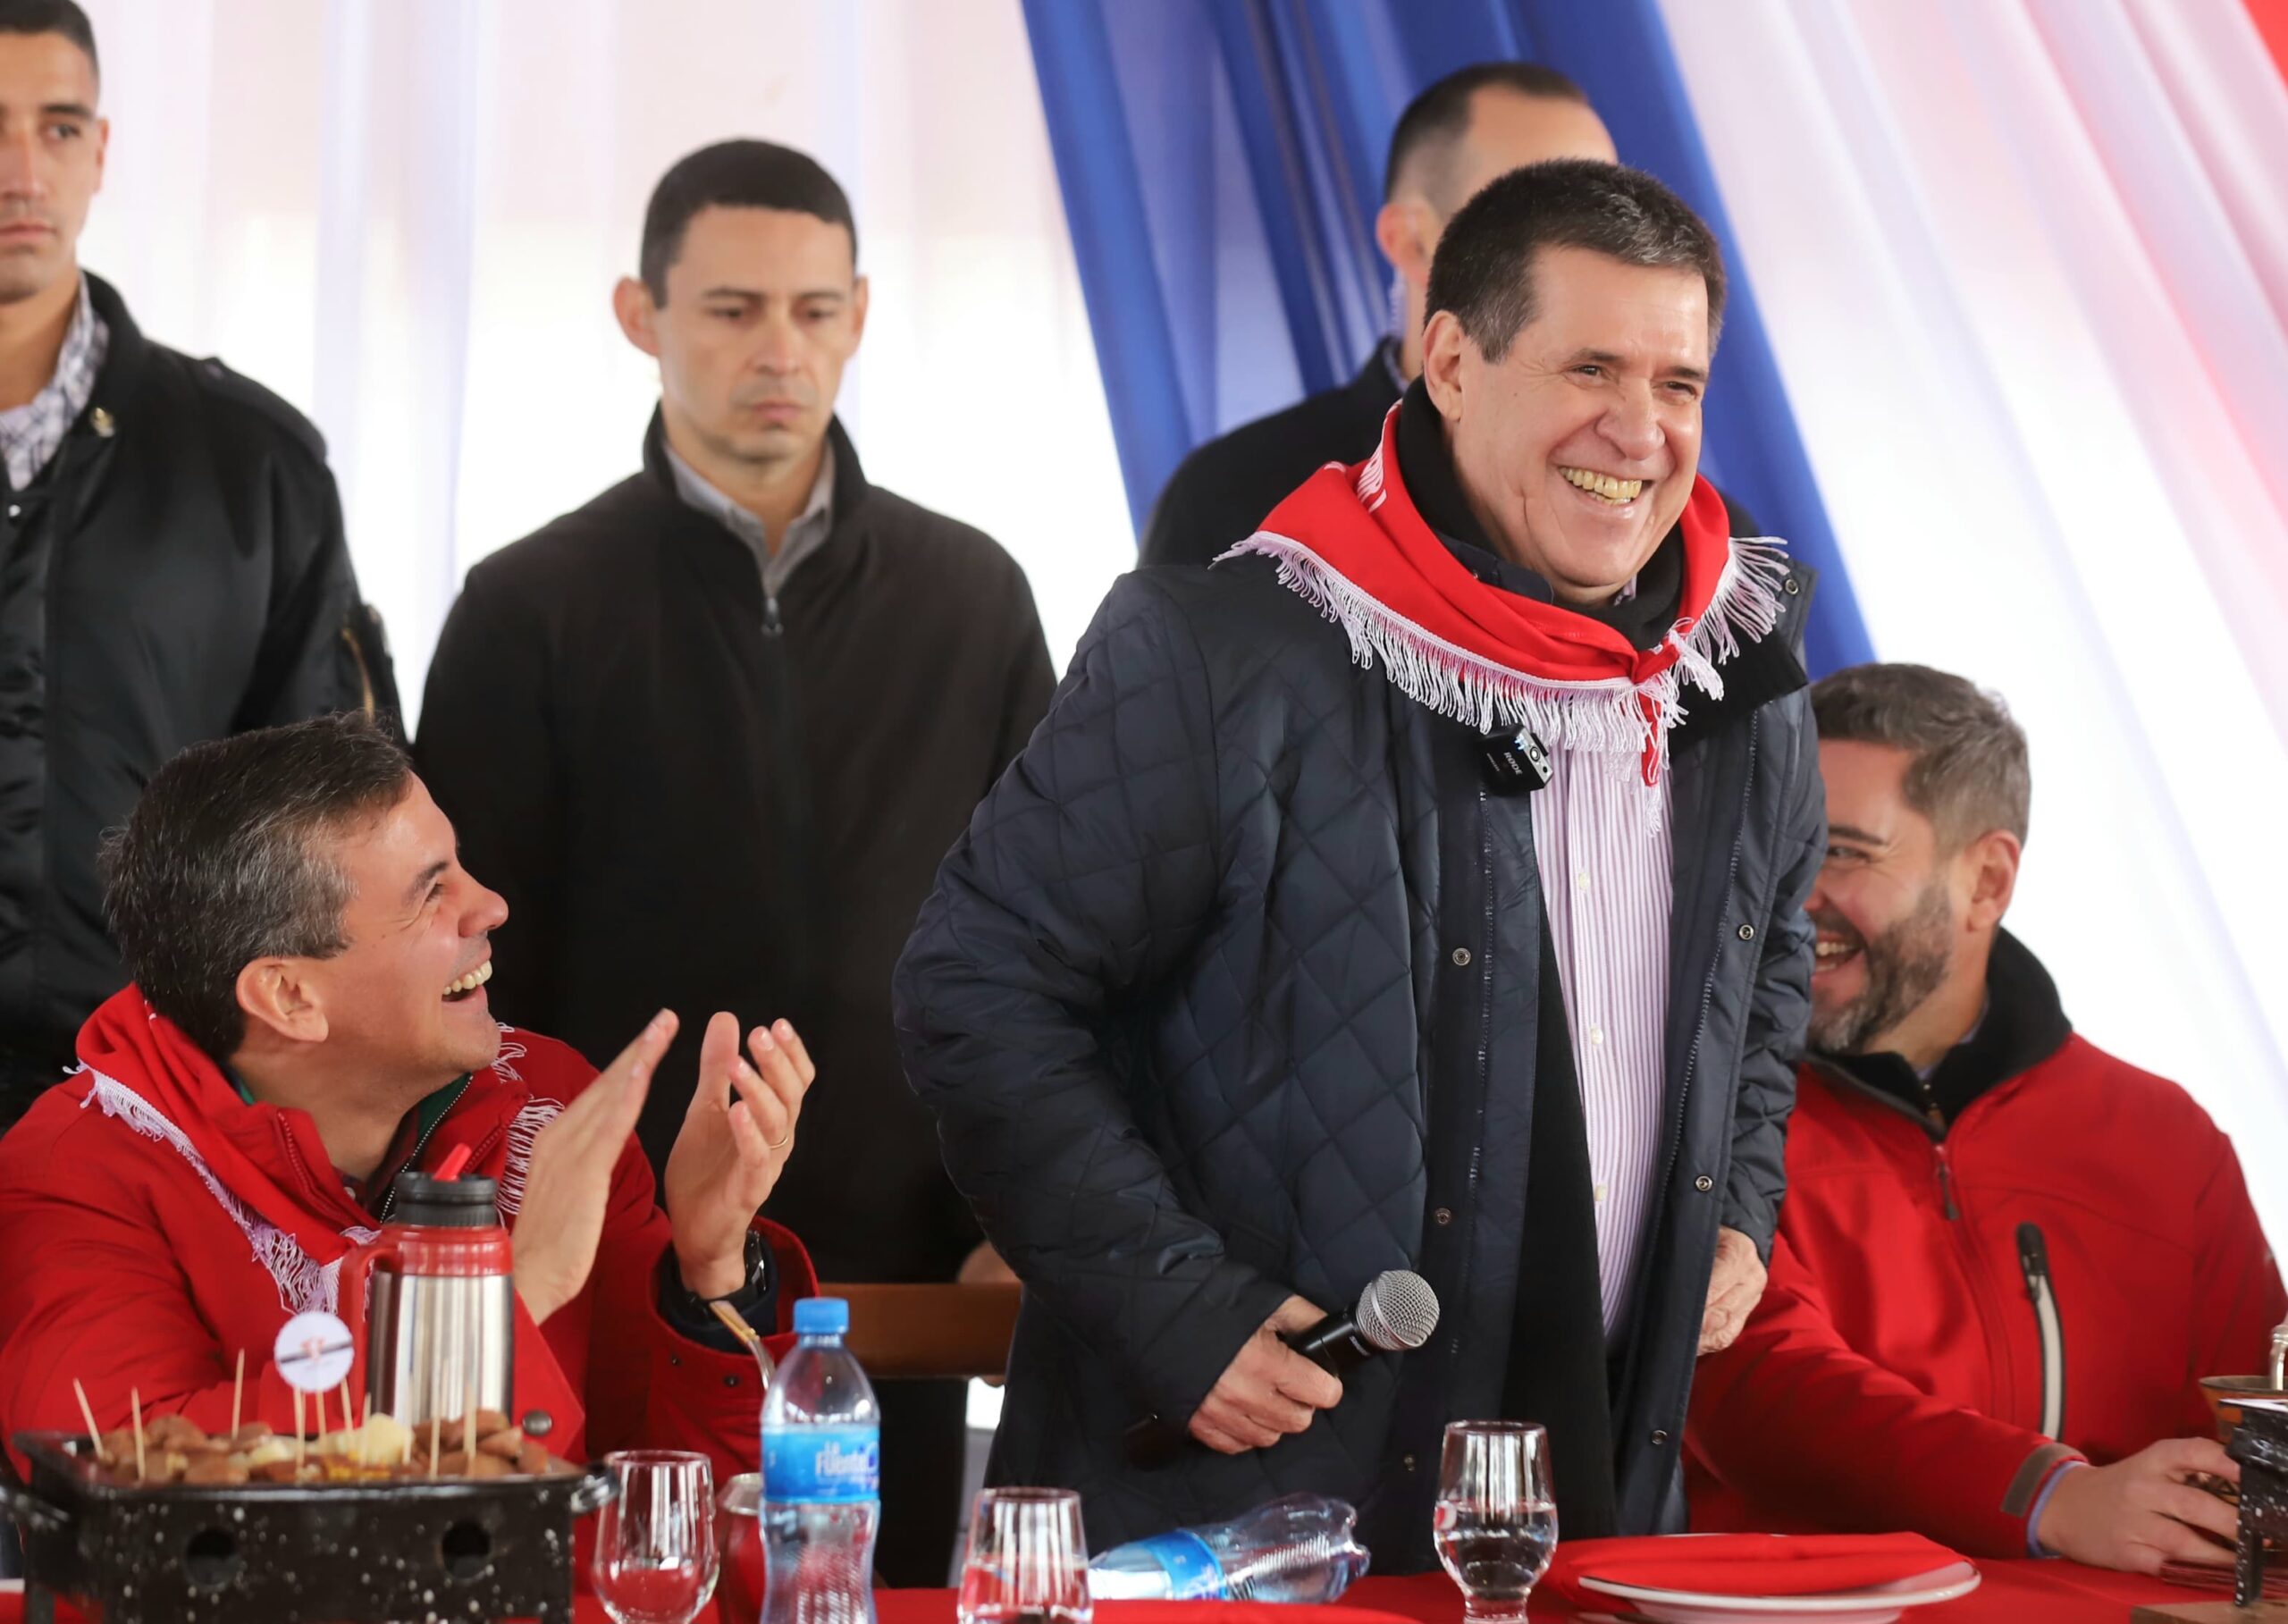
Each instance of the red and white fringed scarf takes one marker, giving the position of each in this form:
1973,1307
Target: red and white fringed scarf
1351,542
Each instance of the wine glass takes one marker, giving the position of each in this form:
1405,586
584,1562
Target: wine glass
1027,1560
655,1555
1496,1527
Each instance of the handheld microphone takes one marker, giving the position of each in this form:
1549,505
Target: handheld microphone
1395,1314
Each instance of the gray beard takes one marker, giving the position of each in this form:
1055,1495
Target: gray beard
1905,964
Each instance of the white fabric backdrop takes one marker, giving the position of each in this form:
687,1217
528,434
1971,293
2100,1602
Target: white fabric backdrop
406,216
2025,265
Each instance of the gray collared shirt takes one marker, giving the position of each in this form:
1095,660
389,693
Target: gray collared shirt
30,434
805,533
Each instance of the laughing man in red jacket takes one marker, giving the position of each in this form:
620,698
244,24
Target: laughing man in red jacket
2006,1257
309,1020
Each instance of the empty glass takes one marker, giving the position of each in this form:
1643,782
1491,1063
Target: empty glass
1496,1527
1027,1560
656,1554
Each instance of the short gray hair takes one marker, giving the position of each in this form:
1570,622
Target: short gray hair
223,862
1969,773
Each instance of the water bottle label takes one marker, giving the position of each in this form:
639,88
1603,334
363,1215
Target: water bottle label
1194,1574
814,1464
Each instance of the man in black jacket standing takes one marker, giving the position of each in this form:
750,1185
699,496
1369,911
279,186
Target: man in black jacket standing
1425,893
172,566
710,734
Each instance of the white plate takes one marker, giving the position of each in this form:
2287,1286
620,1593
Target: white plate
1874,1606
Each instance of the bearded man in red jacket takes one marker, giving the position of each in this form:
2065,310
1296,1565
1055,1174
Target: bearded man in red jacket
309,1020
2006,1257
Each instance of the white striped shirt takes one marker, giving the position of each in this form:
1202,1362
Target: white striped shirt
1609,888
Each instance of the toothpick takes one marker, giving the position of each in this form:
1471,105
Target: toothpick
237,1387
433,1443
468,1423
297,1431
103,1455
135,1406
348,1411
320,1397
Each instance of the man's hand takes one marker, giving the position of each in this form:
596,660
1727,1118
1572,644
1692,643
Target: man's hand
730,1151
1735,1286
2137,1513
1267,1390
567,1188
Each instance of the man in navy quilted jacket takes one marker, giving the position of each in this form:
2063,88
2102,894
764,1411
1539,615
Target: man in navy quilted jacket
1422,888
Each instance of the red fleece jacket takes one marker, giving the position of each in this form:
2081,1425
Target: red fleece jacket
1892,1376
153,1224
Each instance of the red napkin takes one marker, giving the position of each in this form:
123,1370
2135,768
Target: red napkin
1747,1564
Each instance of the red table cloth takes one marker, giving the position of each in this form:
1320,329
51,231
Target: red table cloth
2013,1593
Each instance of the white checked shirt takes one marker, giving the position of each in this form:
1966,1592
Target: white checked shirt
30,434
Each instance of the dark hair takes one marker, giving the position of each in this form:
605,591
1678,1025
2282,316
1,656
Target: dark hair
52,17
735,174
1482,270
223,862
1969,774
1439,117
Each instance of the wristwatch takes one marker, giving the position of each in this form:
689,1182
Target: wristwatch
757,1258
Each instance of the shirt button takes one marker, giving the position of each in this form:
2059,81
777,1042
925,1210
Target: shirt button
1747,933
1704,1183
15,509
1442,1216
1581,879
730,1380
1461,957
1408,1462
1601,1192
1659,1436
1597,1035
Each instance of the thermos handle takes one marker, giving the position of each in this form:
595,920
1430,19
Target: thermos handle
355,1272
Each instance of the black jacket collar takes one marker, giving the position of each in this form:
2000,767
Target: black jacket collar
850,486
1375,385
2024,1025
126,350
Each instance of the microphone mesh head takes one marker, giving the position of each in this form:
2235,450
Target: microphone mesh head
1397,1311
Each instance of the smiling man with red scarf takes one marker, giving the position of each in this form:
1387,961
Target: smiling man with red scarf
309,1020
1420,886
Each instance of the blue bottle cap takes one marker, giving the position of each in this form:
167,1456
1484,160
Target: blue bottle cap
821,1316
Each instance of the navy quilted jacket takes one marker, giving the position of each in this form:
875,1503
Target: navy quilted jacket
1192,1006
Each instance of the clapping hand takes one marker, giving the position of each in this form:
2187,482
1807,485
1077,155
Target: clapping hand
735,1142
567,1189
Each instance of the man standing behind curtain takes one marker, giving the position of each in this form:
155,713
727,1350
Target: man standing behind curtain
710,734
172,566
1472,125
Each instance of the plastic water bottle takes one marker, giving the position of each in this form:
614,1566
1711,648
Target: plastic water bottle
821,1476
1296,1549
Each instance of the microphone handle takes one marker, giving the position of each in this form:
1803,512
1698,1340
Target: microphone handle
1333,1345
